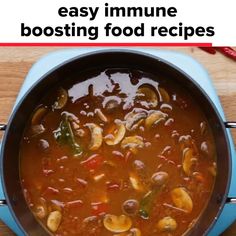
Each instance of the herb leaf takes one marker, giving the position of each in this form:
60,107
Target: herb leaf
146,203
64,136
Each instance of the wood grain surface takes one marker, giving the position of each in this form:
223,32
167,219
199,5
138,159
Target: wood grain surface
16,62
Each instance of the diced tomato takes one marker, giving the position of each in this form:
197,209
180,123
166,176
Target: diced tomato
93,162
99,208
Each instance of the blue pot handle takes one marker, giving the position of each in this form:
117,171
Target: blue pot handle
230,125
2,200
5,214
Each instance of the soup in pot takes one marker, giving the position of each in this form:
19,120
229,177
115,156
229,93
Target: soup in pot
118,152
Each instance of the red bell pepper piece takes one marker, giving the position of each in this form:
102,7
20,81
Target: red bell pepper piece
227,51
210,50
93,162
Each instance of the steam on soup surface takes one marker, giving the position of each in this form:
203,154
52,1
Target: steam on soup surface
118,154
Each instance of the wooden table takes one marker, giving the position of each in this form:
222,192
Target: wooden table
16,62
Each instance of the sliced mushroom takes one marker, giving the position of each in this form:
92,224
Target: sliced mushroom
135,232
101,115
212,169
134,118
130,207
139,166
54,220
164,96
167,224
117,135
189,161
203,128
36,121
166,107
154,118
117,224
199,177
181,199
80,133
147,96
132,142
204,148
41,209
91,225
131,232
38,115
160,178
186,141
136,182
111,103
75,125
96,136
77,131
37,129
61,100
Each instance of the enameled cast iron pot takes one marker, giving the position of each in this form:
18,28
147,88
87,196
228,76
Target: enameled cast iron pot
9,167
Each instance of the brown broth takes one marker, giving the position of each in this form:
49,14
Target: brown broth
54,179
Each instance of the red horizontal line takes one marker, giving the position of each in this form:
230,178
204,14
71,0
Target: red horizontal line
105,44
